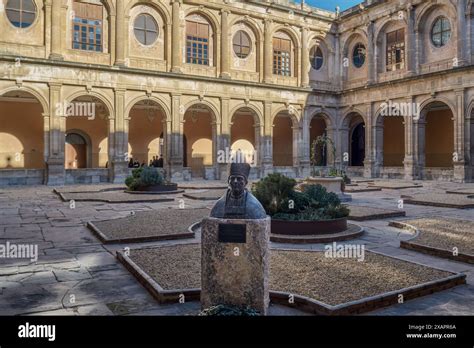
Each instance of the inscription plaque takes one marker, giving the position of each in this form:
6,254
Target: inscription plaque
232,233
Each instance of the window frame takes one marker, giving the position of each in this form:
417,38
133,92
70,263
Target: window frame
395,51
357,46
313,57
88,24
443,19
198,45
20,12
282,58
145,30
240,45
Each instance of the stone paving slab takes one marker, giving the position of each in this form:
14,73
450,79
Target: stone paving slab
364,213
145,226
208,195
440,200
394,185
113,197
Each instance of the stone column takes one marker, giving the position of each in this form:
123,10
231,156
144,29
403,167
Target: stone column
411,41
337,79
267,143
409,160
56,174
305,66
462,31
176,138
118,149
372,68
224,138
419,147
304,144
369,144
56,30
176,54
216,136
378,147
268,52
459,156
120,34
258,147
225,45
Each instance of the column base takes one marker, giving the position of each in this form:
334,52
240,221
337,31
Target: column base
225,75
118,172
461,172
266,168
409,168
369,169
120,63
55,172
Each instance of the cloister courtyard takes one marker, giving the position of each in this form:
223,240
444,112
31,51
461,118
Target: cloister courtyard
77,271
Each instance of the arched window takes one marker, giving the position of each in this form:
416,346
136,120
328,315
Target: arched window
242,44
87,27
282,56
358,55
441,31
316,58
197,43
145,29
21,13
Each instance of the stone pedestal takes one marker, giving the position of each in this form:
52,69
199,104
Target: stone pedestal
118,171
235,263
55,172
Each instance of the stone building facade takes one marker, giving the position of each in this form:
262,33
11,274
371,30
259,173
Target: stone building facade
85,86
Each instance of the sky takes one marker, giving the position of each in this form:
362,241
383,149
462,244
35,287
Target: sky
331,4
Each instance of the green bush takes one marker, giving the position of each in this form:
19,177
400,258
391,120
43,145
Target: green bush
281,201
144,177
224,310
273,192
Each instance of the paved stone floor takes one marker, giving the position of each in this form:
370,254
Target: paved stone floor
76,275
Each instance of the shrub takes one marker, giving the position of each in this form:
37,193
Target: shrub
273,192
280,200
144,177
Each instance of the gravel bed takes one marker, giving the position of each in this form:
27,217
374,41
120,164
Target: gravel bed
209,195
440,200
146,224
311,274
445,234
362,213
114,197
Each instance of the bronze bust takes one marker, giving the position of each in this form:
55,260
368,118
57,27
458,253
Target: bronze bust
238,202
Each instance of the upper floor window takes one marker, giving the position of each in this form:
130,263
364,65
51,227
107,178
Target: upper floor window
21,13
197,43
281,57
358,55
87,27
145,29
396,50
441,32
316,58
241,43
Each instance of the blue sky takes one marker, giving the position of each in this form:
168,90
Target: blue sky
331,4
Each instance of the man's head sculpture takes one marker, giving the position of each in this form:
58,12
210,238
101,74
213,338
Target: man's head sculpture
238,202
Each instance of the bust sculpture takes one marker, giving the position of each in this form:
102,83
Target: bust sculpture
238,202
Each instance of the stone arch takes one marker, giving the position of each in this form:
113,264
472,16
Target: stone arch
295,37
157,100
326,115
320,124
295,117
426,8
214,110
108,104
251,23
258,116
208,15
345,119
42,99
88,144
24,140
353,37
158,6
437,99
